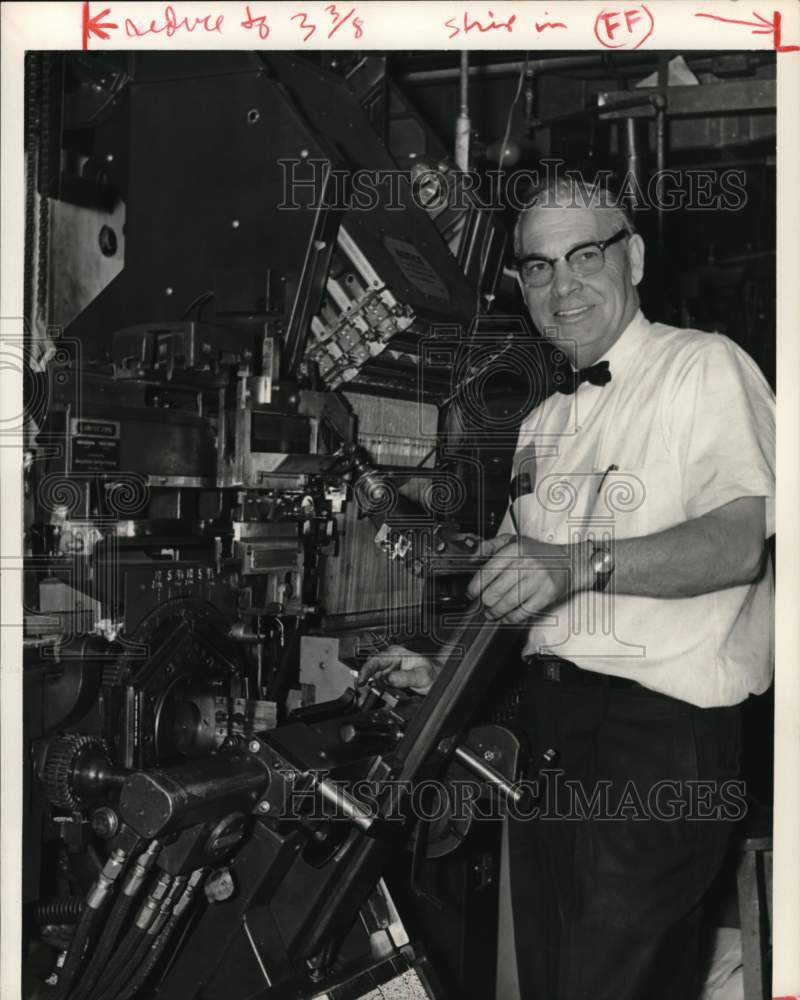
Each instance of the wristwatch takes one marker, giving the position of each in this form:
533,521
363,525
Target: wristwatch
602,562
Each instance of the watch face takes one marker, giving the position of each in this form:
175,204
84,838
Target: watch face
602,562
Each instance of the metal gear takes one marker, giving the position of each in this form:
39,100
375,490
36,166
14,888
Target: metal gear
62,755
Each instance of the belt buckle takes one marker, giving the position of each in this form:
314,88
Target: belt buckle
552,671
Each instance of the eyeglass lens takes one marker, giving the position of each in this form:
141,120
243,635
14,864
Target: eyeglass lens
582,261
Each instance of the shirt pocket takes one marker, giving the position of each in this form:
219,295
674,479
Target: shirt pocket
640,499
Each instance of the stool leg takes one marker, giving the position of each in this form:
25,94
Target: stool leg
750,919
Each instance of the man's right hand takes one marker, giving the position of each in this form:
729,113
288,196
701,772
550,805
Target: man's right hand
401,668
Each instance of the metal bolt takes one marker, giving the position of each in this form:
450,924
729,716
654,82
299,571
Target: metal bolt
105,822
109,157
263,807
235,223
488,755
303,154
168,291
220,886
253,746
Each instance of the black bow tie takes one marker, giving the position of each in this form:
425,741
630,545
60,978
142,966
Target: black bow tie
567,380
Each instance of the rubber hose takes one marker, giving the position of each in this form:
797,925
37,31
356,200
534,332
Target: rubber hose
119,914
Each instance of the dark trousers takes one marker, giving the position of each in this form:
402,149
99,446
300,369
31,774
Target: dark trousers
606,892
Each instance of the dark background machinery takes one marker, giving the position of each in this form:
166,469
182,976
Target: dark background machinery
237,373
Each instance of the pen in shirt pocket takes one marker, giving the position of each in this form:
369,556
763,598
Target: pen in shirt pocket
611,468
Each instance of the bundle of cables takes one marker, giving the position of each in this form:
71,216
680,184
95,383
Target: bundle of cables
115,963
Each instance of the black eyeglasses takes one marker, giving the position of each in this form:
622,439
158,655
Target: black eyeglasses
537,271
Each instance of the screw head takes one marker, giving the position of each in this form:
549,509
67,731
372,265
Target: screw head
253,746
263,807
488,755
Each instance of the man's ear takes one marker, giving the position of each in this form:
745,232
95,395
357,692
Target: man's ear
636,257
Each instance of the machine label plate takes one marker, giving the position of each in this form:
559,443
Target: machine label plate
416,269
94,445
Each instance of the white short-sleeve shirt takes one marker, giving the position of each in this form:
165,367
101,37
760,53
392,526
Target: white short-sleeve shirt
686,425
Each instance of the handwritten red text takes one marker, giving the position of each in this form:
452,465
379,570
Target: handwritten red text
469,24
172,25
544,25
337,20
628,28
259,23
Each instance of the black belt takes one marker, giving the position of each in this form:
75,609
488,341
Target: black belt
559,671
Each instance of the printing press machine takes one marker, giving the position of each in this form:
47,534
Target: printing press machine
249,464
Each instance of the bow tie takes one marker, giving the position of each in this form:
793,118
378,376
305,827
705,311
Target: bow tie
567,380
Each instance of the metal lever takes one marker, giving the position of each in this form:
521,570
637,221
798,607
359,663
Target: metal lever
487,773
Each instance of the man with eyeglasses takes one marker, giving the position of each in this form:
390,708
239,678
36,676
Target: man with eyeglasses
637,564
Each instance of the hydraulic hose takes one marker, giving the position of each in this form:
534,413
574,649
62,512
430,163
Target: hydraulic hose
132,939
116,921
95,903
165,933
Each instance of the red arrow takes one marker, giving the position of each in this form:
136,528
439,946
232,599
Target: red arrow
761,26
95,25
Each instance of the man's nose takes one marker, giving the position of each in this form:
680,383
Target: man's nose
565,281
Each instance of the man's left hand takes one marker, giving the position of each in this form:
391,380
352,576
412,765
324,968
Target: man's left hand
522,577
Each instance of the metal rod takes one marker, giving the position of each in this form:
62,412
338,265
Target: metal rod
660,104
488,774
461,153
499,69
354,810
700,60
634,165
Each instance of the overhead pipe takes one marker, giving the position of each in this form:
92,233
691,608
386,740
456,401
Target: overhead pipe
463,127
632,156
451,73
702,60
660,104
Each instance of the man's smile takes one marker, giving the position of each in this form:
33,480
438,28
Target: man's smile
573,314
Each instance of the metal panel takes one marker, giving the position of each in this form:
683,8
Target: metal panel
192,217
704,99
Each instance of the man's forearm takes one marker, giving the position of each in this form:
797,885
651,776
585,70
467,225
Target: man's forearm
723,548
